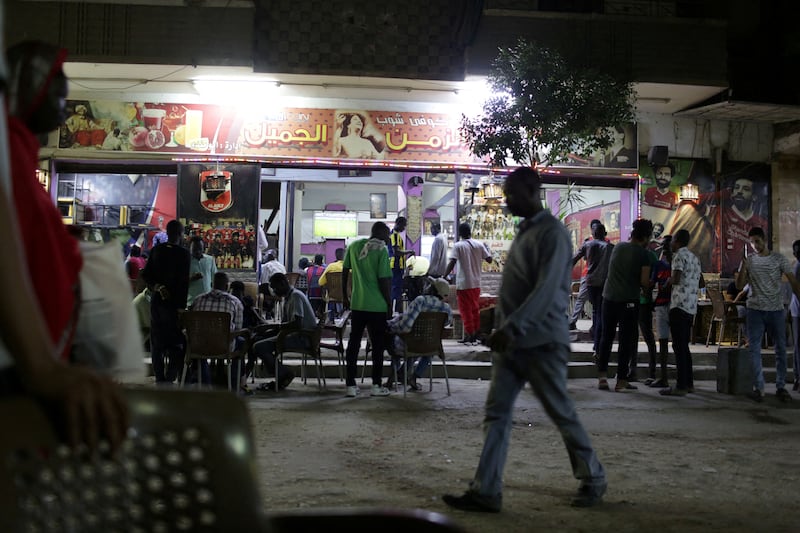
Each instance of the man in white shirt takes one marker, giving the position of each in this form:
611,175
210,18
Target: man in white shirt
765,311
438,261
469,254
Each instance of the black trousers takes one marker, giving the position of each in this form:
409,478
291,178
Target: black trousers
680,326
375,324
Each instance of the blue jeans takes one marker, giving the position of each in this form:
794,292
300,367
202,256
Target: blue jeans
773,322
545,368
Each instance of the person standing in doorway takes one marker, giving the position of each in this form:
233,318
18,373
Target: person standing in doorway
583,290
531,344
398,261
660,276
596,252
167,275
686,278
765,311
469,254
201,270
438,260
370,304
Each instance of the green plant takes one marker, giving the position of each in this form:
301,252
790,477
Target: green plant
570,200
545,108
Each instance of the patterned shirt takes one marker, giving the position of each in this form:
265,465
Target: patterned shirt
684,294
221,302
764,275
421,304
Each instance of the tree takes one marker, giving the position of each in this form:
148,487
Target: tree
546,108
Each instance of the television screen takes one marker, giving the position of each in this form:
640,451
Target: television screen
335,224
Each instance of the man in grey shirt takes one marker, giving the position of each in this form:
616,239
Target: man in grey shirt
531,344
597,253
438,252
765,311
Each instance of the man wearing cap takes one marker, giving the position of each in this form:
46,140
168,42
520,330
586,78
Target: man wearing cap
433,299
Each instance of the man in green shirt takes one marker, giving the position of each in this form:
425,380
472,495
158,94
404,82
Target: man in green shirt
368,259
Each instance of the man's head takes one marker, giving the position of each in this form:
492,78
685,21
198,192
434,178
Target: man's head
37,86
272,255
658,229
664,175
436,228
742,193
380,231
303,263
237,288
319,259
522,192
196,247
680,239
400,224
464,231
136,251
642,230
594,223
174,231
758,240
666,247
220,281
339,254
438,287
279,284
599,232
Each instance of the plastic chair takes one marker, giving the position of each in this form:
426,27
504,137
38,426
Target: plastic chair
312,336
188,466
209,336
333,292
338,326
425,338
722,313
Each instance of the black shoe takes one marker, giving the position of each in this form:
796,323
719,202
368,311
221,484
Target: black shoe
756,395
659,384
285,380
473,502
573,326
589,495
783,395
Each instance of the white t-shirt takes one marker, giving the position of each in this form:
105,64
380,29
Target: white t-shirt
684,295
469,254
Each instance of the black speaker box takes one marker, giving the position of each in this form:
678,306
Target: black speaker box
658,155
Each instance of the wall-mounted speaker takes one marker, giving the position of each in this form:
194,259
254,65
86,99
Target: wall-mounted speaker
658,155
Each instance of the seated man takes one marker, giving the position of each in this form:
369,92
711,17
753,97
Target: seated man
431,300
297,315
221,301
334,309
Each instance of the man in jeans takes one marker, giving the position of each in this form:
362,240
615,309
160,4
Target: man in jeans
686,278
765,310
531,344
370,303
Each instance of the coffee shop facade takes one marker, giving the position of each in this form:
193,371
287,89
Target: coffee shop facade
123,167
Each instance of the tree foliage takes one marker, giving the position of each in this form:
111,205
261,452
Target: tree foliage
545,108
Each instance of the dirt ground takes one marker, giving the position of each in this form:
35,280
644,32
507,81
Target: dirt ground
706,462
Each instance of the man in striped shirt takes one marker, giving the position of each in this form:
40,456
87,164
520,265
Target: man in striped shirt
765,310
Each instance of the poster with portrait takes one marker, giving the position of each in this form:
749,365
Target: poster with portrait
377,206
219,203
660,189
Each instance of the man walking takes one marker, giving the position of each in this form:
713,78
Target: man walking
167,275
531,345
370,304
596,252
686,278
765,310
469,254
583,290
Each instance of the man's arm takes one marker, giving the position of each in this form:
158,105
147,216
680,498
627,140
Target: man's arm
644,277
385,285
794,283
450,266
742,277
345,296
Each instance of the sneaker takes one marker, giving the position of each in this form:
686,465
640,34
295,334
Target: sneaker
377,390
623,386
589,495
602,384
783,395
756,395
573,326
352,391
473,502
